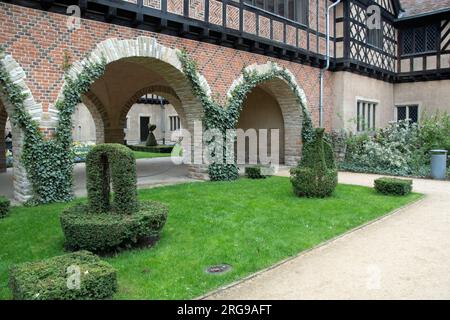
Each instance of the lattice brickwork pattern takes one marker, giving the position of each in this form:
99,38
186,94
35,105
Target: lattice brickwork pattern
175,6
155,4
232,17
215,12
249,22
197,9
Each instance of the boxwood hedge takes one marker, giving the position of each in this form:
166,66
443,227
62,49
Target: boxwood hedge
4,206
48,279
393,186
103,233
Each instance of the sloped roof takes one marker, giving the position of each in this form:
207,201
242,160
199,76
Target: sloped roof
416,7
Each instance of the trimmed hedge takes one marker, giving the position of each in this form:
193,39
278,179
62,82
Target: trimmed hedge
102,233
4,206
48,279
393,186
254,172
116,162
155,149
316,174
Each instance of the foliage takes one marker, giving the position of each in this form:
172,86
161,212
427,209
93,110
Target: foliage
49,161
105,226
114,163
48,279
81,150
400,149
393,186
205,228
254,172
4,206
100,232
316,173
222,118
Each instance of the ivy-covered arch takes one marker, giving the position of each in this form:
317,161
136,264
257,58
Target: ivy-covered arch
17,103
224,117
282,85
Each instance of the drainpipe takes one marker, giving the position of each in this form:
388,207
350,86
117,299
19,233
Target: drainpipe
327,63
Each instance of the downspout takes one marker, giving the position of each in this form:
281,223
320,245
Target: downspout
327,63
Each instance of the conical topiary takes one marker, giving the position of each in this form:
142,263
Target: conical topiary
151,140
316,173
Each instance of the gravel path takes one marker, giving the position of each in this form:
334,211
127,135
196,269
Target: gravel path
402,256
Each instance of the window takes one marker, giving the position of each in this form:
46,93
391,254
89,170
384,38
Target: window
296,10
174,123
365,116
375,37
421,39
409,112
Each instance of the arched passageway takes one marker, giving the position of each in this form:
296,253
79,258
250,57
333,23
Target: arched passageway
274,105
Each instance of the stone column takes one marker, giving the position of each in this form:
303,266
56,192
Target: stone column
114,135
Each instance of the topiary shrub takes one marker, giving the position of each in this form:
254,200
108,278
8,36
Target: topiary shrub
151,139
115,162
103,233
393,186
316,173
4,206
56,278
109,223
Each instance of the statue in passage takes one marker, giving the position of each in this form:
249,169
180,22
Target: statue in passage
151,140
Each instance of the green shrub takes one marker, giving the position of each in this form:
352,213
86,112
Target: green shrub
393,186
316,174
4,206
50,279
254,172
116,162
103,233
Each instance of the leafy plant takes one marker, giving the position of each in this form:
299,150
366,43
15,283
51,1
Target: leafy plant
4,206
47,279
316,173
224,117
393,186
48,160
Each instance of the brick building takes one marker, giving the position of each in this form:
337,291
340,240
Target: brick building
389,60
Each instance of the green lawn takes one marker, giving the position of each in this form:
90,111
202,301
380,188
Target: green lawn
250,224
146,155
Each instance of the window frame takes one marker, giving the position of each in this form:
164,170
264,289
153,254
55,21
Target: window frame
368,112
407,105
285,14
414,30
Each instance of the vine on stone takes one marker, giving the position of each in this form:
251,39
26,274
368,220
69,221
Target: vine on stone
227,116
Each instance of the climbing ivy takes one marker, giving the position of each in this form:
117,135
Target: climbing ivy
226,117
49,161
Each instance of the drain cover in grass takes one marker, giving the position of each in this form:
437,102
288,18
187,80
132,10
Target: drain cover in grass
218,269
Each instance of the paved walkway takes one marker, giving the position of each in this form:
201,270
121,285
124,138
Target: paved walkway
403,256
150,172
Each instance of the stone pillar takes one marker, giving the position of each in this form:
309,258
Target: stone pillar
114,135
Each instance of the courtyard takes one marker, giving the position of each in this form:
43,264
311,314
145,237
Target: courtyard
248,224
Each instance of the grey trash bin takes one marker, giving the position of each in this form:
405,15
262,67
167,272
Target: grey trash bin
438,164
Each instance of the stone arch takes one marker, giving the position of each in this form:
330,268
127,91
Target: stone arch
157,58
163,91
23,190
99,115
291,100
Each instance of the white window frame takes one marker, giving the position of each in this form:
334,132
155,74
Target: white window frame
373,124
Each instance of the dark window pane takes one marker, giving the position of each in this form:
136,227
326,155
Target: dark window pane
413,114
373,116
259,3
291,9
419,39
270,5
280,9
408,41
358,116
302,11
401,113
375,37
432,34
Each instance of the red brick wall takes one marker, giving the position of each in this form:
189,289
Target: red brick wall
38,39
